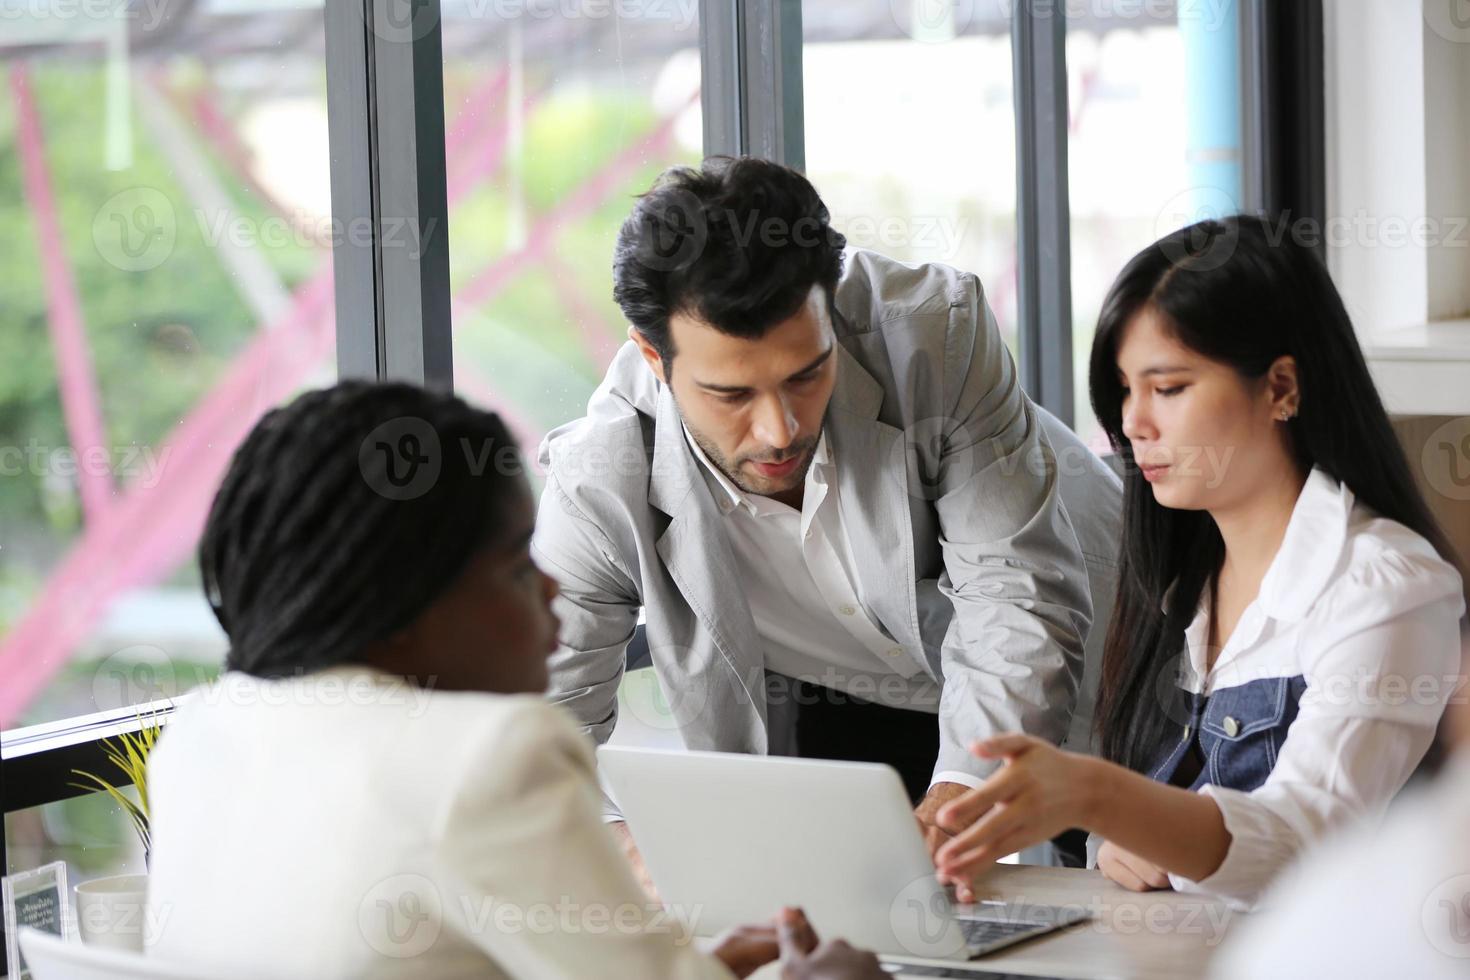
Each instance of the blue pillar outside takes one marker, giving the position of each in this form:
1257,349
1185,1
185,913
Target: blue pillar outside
1210,33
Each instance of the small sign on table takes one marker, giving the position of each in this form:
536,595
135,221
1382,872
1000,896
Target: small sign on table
37,899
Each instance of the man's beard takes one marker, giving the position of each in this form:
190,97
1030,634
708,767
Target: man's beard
803,448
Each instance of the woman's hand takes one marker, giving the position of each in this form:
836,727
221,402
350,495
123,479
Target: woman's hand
804,958
1129,870
1038,792
745,949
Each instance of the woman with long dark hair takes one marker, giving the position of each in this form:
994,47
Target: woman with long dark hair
1286,631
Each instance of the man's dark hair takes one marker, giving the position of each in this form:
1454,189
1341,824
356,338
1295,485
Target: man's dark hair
347,513
737,243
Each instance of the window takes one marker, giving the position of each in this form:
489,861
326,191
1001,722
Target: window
916,160
552,124
167,245
90,833
1154,145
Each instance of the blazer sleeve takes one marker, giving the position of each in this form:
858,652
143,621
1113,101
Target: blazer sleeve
537,880
1013,567
598,608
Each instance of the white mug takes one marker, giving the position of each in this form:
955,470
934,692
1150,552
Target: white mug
112,911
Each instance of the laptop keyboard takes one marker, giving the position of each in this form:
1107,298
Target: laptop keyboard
956,972
980,933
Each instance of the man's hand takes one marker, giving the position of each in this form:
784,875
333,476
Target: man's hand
745,949
936,836
938,795
624,837
1129,870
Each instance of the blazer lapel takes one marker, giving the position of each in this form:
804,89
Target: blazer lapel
697,553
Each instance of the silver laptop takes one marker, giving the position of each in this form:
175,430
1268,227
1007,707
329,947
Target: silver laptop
729,838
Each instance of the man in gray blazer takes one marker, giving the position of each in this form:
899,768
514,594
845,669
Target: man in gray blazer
815,471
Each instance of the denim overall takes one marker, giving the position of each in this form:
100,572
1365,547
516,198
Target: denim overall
1239,731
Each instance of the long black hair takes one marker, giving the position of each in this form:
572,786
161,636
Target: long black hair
344,514
1242,293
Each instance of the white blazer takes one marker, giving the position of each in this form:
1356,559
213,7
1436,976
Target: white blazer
345,824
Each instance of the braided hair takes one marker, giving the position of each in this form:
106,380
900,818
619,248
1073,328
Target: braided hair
344,515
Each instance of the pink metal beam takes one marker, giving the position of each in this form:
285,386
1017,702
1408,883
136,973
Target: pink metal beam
200,106
476,140
575,205
467,122
153,527
596,332
80,403
470,383
468,137
477,160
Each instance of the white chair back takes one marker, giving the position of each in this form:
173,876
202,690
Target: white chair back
53,958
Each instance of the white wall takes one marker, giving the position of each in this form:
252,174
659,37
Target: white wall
1398,156
1447,94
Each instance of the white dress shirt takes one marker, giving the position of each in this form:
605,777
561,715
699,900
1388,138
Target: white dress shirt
346,825
1367,613
1389,901
797,574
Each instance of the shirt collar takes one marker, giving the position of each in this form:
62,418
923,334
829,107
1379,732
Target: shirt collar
1315,537
1309,552
727,495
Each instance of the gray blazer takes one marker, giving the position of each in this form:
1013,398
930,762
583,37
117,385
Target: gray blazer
984,533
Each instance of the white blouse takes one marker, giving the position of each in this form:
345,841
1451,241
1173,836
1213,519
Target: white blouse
1367,613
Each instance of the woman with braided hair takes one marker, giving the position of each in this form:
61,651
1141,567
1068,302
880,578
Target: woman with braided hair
376,787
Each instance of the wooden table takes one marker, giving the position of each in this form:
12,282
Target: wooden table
1147,935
